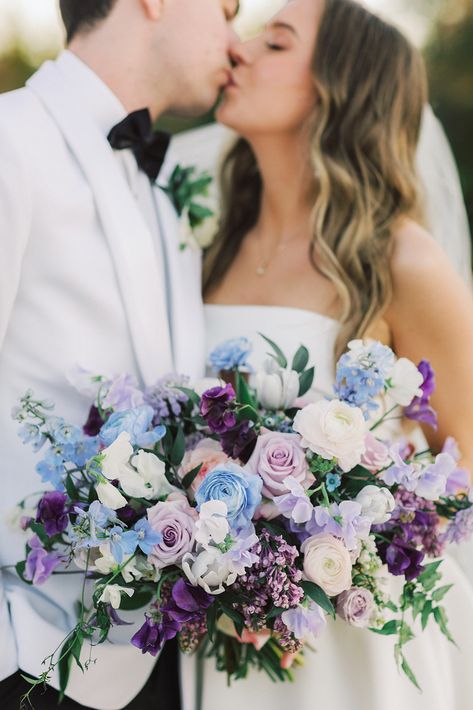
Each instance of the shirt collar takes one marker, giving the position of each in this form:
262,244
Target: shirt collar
95,97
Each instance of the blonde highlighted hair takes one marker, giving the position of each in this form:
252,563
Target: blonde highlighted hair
371,90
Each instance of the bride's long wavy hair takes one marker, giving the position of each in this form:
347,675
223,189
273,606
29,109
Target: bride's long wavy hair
371,89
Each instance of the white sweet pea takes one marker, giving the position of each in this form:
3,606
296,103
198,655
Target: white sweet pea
116,457
276,387
106,563
212,525
406,382
209,569
110,496
15,517
377,504
152,472
112,594
85,381
333,430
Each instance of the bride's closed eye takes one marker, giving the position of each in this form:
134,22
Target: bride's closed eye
275,47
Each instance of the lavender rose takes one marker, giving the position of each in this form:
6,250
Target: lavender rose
356,606
275,458
175,520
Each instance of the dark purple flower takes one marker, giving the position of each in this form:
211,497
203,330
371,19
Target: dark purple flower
188,602
240,442
214,407
40,564
94,422
401,558
420,410
52,513
129,515
153,634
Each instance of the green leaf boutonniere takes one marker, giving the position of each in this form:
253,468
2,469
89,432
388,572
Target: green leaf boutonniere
189,191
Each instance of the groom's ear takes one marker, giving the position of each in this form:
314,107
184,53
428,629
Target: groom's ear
153,8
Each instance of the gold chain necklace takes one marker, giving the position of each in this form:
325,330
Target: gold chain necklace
264,263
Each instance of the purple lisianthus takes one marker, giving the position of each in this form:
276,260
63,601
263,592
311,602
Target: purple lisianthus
401,558
52,513
239,442
187,602
216,410
94,422
356,606
40,564
153,634
419,409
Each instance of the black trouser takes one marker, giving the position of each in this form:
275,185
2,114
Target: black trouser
161,692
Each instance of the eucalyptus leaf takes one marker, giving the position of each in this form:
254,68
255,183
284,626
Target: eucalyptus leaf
301,358
278,353
318,595
305,381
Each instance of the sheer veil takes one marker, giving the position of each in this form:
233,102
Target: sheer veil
443,199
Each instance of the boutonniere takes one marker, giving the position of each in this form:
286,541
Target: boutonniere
189,191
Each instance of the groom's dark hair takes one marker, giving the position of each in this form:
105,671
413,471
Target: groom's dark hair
82,15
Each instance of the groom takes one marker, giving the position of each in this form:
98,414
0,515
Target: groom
91,273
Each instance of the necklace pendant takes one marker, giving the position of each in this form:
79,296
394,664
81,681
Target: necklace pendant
260,270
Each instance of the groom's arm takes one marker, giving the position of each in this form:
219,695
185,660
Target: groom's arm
15,220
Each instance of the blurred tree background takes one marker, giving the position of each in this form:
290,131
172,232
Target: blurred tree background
448,50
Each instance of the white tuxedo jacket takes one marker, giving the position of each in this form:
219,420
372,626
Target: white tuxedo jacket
79,283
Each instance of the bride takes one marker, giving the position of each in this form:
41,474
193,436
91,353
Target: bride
321,242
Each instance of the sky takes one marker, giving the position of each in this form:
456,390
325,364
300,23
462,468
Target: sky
37,22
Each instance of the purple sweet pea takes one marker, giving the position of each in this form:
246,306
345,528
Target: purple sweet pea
52,513
296,504
344,520
239,442
419,409
188,602
214,407
40,564
94,422
402,559
153,634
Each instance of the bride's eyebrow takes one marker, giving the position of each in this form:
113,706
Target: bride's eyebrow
282,26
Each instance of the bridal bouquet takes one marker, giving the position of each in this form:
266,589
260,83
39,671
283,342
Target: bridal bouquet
244,516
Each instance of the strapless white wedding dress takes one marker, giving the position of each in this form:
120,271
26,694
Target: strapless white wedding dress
351,669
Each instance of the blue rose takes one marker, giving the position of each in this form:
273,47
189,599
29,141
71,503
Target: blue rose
138,423
240,490
231,355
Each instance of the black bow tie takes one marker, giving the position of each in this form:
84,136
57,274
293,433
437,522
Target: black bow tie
149,148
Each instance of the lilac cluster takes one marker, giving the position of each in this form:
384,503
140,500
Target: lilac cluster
362,373
166,396
286,639
420,410
272,581
182,608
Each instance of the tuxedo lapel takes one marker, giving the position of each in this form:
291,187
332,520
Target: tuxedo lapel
128,236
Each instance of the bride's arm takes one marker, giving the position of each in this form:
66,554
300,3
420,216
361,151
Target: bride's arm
431,317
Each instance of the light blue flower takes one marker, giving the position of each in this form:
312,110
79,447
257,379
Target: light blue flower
85,448
122,542
89,530
362,374
32,434
237,488
333,481
147,537
138,423
51,468
231,355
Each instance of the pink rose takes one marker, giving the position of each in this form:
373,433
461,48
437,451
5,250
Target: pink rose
356,606
275,458
207,453
376,456
175,520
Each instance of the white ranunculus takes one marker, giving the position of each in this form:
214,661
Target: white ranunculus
333,430
116,457
377,504
110,496
209,569
276,387
152,471
406,382
327,563
212,524
112,594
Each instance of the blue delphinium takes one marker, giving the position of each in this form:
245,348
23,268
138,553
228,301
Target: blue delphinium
122,542
147,537
138,423
231,355
362,374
